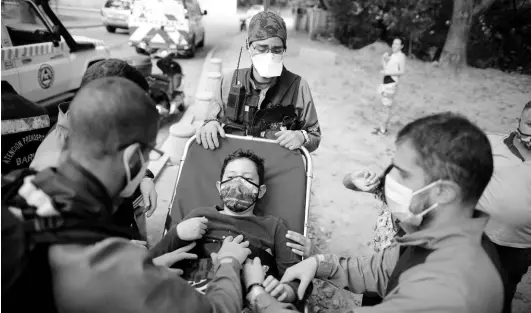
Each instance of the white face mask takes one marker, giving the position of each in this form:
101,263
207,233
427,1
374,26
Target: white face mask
399,198
132,183
268,64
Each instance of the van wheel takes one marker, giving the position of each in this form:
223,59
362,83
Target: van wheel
191,51
111,29
201,44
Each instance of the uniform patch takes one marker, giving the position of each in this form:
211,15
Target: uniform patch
45,76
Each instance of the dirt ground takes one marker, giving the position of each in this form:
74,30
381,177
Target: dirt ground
348,107
345,96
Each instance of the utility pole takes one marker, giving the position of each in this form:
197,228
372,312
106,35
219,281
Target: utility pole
266,5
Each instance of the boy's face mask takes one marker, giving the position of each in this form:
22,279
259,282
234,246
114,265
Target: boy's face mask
238,194
399,199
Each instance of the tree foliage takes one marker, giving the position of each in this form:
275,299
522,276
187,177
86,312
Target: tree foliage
499,33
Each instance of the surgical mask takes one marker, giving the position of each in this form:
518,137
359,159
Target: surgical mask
399,198
132,182
238,194
525,139
268,64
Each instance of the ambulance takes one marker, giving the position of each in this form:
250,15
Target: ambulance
40,59
162,27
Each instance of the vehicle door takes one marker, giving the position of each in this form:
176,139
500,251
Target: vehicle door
9,70
41,59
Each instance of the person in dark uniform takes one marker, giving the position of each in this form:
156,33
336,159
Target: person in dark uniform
24,127
132,212
265,100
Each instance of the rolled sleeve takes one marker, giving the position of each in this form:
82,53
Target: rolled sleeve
361,274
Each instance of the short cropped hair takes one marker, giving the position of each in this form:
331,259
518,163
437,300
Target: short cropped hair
450,147
527,106
114,68
110,113
246,154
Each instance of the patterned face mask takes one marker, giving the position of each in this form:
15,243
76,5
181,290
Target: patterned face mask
238,194
525,139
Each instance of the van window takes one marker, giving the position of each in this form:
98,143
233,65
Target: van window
118,4
24,24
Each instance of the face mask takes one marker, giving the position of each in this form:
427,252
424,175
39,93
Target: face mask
399,198
525,139
132,182
238,194
268,64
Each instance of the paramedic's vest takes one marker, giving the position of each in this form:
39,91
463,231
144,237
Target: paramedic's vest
24,127
276,110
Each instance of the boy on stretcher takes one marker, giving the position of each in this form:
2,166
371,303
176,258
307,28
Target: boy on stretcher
240,187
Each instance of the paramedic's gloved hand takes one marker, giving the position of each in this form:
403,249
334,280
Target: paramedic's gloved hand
232,248
192,229
173,257
363,180
207,135
253,272
303,246
290,139
147,188
303,271
281,291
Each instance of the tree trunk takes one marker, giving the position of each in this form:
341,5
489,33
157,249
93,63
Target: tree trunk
454,52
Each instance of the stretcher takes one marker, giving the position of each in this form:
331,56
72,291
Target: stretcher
288,177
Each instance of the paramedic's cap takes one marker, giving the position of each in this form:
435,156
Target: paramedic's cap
114,68
266,25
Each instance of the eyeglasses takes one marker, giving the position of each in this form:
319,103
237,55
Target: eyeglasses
265,49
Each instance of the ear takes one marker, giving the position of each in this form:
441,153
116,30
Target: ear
218,185
446,192
261,192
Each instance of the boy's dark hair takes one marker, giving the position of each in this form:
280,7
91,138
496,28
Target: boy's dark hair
114,68
526,107
246,154
451,147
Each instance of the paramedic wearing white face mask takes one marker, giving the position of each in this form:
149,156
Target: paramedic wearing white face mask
265,100
441,264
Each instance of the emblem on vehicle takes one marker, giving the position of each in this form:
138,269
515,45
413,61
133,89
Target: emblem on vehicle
46,76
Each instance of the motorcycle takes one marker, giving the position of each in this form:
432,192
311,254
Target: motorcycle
164,88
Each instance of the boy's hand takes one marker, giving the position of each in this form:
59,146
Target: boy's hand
192,229
302,246
282,292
